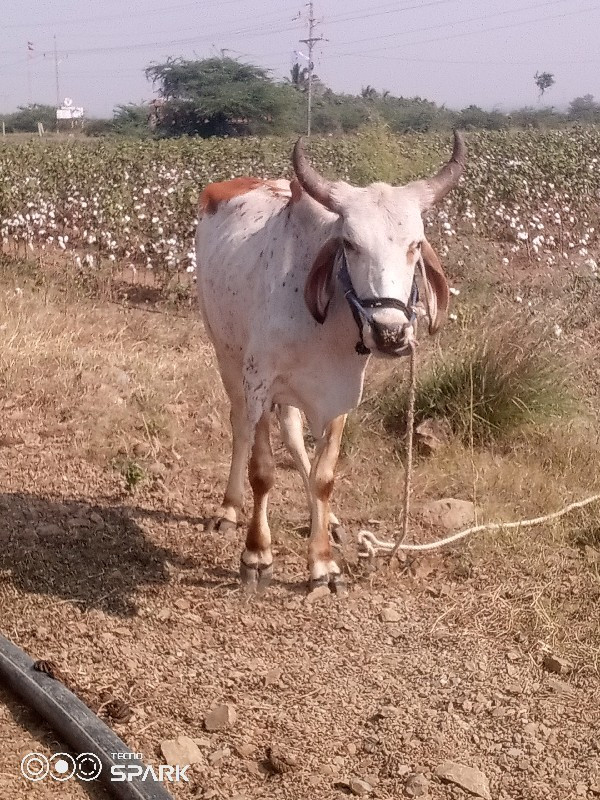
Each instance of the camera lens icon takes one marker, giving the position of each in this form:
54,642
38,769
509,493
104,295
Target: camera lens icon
35,766
62,767
89,767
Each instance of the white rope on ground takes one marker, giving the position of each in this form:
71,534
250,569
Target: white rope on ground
369,545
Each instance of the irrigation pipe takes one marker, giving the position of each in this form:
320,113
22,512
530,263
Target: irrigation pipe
74,722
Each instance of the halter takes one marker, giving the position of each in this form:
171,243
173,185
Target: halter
358,306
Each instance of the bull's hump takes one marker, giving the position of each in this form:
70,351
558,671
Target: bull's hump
216,194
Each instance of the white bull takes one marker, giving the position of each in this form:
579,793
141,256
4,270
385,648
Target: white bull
290,276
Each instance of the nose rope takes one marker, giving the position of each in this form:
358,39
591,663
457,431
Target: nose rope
359,306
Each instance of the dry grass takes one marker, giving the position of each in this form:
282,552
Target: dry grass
497,377
121,411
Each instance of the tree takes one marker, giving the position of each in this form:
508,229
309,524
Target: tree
26,119
299,77
369,92
131,120
544,80
219,97
584,109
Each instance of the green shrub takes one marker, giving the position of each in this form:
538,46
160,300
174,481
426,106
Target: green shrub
490,385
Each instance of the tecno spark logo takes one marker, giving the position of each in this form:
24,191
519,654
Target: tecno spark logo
128,770
88,767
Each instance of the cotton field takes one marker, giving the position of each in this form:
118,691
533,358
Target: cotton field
134,202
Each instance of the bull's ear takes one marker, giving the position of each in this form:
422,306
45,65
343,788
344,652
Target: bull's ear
436,288
320,284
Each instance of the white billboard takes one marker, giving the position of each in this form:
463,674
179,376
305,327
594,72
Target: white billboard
68,110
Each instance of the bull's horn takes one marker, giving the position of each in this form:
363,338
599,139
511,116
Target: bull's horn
447,178
318,187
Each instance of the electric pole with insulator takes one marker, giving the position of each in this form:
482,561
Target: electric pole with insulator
310,42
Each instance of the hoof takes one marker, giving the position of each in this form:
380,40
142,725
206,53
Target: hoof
265,576
338,534
334,581
248,576
220,524
255,577
338,585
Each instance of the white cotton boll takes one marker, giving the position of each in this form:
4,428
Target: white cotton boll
518,299
505,261
453,317
558,331
454,291
523,236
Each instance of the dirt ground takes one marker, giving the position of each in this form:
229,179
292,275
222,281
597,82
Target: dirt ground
114,446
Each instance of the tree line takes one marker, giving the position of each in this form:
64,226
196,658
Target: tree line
226,97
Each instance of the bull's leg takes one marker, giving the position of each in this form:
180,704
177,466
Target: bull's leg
292,433
322,566
257,561
227,516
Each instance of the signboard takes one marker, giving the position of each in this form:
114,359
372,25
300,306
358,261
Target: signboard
68,110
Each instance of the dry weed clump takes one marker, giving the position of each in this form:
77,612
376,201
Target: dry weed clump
497,377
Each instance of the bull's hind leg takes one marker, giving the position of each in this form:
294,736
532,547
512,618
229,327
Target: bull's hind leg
322,566
256,566
292,433
227,516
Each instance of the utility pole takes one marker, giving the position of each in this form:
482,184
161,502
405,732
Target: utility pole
310,42
56,74
29,91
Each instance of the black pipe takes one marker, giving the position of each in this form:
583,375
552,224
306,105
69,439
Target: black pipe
75,723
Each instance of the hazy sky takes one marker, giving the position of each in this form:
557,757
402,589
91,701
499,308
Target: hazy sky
453,51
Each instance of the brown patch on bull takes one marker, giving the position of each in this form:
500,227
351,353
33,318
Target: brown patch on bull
324,490
261,472
216,193
296,190
231,501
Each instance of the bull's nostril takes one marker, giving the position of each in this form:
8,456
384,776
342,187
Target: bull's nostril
389,338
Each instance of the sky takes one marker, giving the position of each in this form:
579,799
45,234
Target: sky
457,52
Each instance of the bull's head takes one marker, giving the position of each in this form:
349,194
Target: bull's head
375,251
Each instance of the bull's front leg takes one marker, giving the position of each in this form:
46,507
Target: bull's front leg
321,564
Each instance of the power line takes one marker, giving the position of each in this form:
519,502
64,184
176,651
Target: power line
395,10
480,63
536,21
455,22
208,37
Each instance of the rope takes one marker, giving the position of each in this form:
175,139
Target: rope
370,544
410,424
